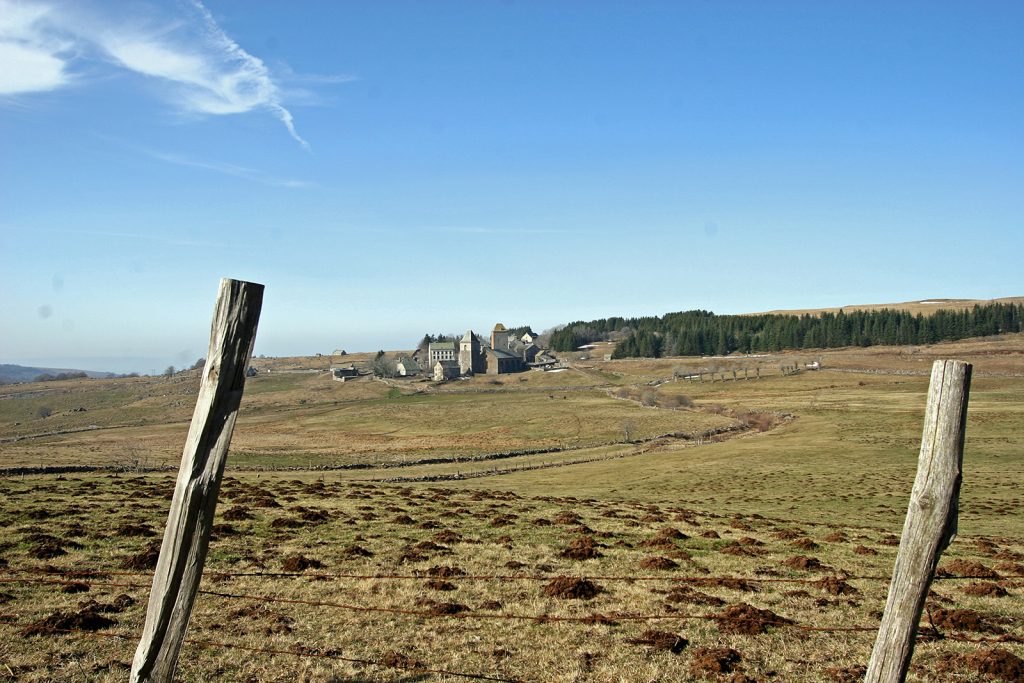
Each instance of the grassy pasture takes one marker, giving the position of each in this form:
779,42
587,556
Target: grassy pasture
431,534
301,420
831,484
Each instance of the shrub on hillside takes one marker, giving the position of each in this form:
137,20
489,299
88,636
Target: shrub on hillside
675,401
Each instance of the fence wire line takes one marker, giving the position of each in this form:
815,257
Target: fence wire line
318,575
300,653
540,618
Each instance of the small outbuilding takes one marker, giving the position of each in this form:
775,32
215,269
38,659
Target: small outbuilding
407,366
343,374
446,369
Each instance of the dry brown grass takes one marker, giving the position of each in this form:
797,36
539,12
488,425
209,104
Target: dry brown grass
819,499
450,541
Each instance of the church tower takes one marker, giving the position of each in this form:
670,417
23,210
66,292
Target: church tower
469,354
499,338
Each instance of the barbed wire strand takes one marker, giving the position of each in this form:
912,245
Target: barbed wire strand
541,618
215,574
300,653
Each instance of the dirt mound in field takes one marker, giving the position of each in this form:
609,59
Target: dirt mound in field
657,563
728,582
568,587
849,674
986,589
969,568
962,620
146,559
685,594
568,518
353,550
224,530
748,620
238,513
443,572
88,619
995,665
447,536
143,530
835,586
314,516
444,608
661,640
787,534
804,563
119,604
300,563
738,550
710,533
582,548
665,538
670,533
1011,567
74,587
46,547
708,662
440,585
804,544
399,660
864,550
421,551
836,537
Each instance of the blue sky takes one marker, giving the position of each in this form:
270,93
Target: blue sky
388,169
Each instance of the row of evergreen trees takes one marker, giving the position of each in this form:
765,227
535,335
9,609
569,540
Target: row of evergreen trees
696,333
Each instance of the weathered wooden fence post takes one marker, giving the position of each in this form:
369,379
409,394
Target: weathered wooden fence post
187,536
931,520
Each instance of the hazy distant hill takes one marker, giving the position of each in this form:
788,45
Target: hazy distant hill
13,374
925,306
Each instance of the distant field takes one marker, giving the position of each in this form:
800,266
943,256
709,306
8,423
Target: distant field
309,419
925,306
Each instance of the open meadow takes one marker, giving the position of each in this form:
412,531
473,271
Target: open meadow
609,522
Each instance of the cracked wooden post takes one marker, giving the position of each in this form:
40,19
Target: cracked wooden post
931,520
187,536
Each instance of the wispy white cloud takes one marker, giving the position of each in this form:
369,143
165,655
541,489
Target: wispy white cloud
170,240
236,170
202,69
477,230
34,57
229,169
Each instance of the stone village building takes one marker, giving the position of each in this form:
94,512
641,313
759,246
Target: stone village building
472,356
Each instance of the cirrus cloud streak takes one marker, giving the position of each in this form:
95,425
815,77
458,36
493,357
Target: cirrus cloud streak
197,66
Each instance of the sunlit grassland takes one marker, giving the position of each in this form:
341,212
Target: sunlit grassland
830,482
349,528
